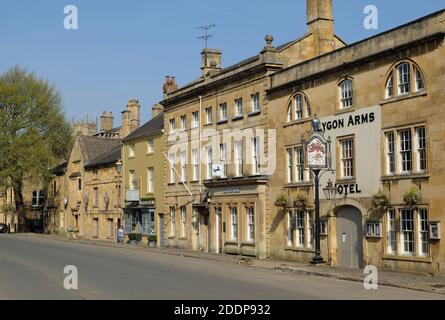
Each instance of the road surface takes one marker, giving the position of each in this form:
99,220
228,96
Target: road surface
32,268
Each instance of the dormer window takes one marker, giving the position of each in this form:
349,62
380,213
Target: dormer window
346,94
298,108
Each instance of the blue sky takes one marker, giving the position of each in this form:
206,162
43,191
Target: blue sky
124,49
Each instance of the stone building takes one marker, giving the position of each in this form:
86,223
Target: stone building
381,101
143,173
234,146
85,194
103,196
211,202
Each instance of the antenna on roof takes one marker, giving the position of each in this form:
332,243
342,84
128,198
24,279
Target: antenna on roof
205,37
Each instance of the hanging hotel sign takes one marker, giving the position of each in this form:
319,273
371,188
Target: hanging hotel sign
317,152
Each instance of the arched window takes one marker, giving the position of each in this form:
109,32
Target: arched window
406,77
390,86
298,108
346,94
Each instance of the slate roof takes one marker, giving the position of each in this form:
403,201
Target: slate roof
107,159
94,147
60,169
155,125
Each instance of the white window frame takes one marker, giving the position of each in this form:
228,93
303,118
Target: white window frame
404,78
300,228
172,222
223,112
250,224
421,149
418,79
391,219
209,115
239,107
195,157
234,224
150,145
255,99
209,161
423,232
389,88
405,150
183,222
132,150
172,126
299,106
183,122
133,183
172,163
347,161
299,164
195,119
183,157
256,161
223,158
346,94
407,235
290,165
390,153
239,158
150,180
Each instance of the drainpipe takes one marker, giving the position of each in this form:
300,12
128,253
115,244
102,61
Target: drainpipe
199,146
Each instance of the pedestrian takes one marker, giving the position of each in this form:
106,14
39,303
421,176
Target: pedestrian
120,235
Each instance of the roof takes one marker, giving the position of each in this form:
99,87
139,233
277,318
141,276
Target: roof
155,125
237,68
60,169
107,159
94,147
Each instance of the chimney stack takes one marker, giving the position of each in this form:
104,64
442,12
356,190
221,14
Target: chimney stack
106,121
126,124
135,110
320,21
210,62
169,85
157,109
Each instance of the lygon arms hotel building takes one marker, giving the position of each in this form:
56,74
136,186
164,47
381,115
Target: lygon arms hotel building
234,163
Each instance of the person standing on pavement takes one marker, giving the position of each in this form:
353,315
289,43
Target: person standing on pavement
120,235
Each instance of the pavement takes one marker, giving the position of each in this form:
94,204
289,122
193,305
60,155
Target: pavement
34,265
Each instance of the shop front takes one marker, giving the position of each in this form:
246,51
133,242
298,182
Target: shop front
237,216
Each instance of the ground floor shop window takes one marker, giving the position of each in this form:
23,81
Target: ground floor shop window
140,221
300,229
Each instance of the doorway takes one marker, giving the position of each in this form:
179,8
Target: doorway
349,237
161,231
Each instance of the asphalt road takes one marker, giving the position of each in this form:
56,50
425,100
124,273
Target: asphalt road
32,268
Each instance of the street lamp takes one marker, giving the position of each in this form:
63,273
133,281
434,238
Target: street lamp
318,159
330,191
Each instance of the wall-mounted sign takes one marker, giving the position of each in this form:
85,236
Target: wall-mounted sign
229,190
348,189
351,121
132,196
218,170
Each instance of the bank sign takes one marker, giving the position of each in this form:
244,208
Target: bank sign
364,127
